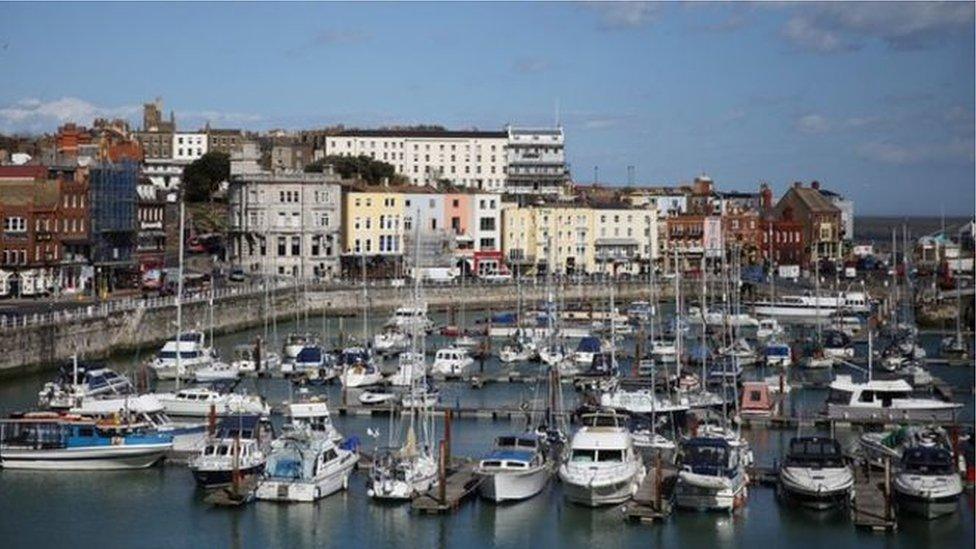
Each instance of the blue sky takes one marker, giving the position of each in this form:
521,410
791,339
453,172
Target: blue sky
873,99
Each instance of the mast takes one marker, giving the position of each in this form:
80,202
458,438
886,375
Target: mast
677,315
365,303
179,296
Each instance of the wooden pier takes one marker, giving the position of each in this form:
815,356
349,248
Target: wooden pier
458,485
654,498
871,508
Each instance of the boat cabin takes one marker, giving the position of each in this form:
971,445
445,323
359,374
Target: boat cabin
816,452
927,460
513,452
709,456
873,394
756,400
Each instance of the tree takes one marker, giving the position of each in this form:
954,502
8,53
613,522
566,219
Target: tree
204,176
361,167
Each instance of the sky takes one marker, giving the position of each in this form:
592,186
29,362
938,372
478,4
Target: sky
875,100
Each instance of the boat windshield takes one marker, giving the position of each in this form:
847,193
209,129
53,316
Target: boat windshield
927,461
815,452
171,355
709,456
839,396
587,455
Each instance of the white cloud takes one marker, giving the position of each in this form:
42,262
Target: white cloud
812,123
833,27
625,15
955,150
35,115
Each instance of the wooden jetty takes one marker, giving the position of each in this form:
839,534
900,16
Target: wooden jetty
655,496
457,486
871,508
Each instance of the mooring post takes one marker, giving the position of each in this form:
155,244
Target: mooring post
447,434
212,420
442,473
887,488
657,481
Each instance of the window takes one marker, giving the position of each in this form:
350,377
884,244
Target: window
487,224
296,245
281,246
15,225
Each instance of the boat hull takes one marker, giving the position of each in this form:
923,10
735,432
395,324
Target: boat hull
708,495
926,507
106,458
217,478
513,486
892,415
305,491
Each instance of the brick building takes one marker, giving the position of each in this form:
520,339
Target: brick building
822,226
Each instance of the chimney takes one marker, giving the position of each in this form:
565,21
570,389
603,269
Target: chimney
815,185
797,184
766,194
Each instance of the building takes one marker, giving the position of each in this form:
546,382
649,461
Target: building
151,236
287,155
781,238
189,146
846,208
427,157
578,238
536,160
114,228
286,223
70,137
372,231
226,141
452,227
820,219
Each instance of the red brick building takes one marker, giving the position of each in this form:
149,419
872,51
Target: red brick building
819,219
70,137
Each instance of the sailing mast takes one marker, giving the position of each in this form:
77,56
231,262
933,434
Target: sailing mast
179,297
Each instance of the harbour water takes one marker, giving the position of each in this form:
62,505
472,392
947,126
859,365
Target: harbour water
160,507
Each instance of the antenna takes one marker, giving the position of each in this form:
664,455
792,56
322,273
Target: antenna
557,112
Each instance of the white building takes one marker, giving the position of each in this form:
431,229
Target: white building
286,224
188,147
536,160
473,159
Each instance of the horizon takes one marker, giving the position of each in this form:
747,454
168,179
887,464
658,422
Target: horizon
873,100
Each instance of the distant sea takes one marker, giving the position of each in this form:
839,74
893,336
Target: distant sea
877,229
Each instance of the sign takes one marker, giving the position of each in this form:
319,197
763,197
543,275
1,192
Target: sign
789,271
712,236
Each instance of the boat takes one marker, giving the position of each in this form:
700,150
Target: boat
768,328
641,401
649,442
723,318
664,352
756,400
400,474
246,359
193,355
410,367
358,369
217,371
452,362
837,344
602,468
411,318
304,467
740,352
884,400
585,351
237,447
779,354
421,398
202,401
377,397
878,447
712,475
295,342
807,306
553,354
141,413
927,484
311,362
63,442
313,415
514,470
81,382
391,340
815,474
640,311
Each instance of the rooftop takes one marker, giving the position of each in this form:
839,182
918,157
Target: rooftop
421,133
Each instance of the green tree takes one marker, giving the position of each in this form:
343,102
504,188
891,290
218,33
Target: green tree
361,167
202,177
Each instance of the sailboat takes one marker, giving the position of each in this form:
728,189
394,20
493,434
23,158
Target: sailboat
358,367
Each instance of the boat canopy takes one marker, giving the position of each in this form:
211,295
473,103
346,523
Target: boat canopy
927,460
814,451
588,345
509,455
309,355
244,425
707,456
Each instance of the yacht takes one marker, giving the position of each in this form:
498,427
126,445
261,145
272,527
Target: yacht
142,412
217,371
452,362
587,348
516,469
200,401
877,447
400,474
410,367
80,382
237,447
58,442
603,467
358,369
411,319
649,442
377,397
741,352
815,474
778,354
768,328
808,306
664,352
721,318
193,355
421,397
553,354
712,475
312,362
884,400
837,344
295,342
313,414
246,359
927,484
521,349
304,467
391,340
641,401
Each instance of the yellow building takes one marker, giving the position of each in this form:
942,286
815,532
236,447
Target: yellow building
372,223
579,238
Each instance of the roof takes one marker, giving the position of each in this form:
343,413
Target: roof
846,383
29,192
431,134
23,172
615,438
814,200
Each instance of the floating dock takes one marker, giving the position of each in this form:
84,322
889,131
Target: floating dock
654,498
460,484
871,508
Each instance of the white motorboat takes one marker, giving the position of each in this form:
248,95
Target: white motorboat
738,443
878,447
815,474
664,352
814,362
768,328
358,369
927,484
411,319
411,366
313,415
553,355
237,447
516,469
391,340
193,355
217,371
452,362
57,442
778,354
295,342
304,467
808,306
641,401
82,382
377,397
516,352
712,475
884,400
200,401
466,341
587,348
246,360
722,318
603,467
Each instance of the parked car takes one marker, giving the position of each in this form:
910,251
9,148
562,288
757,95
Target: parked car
237,275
